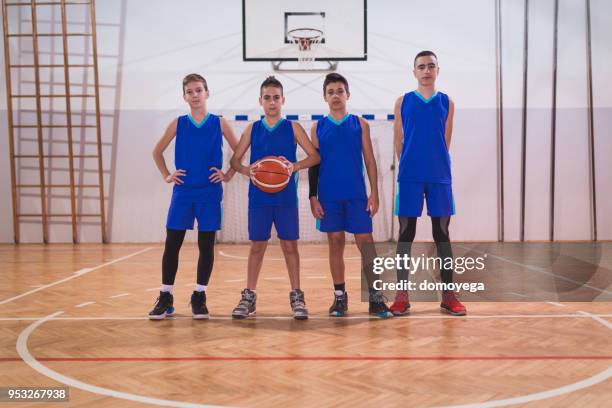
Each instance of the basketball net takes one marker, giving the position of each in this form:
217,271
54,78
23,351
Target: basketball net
307,41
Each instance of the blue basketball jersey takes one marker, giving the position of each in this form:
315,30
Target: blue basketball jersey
341,172
198,147
425,156
273,141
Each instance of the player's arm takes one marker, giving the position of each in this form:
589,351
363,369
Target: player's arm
240,150
398,131
302,139
370,163
448,133
158,155
230,137
313,178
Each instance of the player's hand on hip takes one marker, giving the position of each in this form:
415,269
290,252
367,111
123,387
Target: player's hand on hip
175,177
218,176
316,208
372,205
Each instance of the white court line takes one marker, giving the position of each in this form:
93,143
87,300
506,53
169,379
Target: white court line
24,353
598,318
539,270
152,289
556,304
119,295
346,258
85,304
74,275
517,294
322,317
555,392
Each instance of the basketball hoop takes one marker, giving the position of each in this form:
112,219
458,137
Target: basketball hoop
307,40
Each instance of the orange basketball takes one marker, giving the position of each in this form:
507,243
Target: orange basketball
270,174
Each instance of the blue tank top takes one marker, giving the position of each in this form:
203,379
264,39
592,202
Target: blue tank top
198,147
425,156
273,141
341,171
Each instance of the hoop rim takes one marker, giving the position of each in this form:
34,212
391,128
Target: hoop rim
317,34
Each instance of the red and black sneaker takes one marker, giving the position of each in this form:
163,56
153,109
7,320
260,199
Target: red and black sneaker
401,305
452,305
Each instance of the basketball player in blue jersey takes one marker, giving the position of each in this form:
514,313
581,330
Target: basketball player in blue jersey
338,197
422,135
197,192
273,136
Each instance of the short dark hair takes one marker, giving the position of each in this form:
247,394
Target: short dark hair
270,81
425,54
335,77
194,78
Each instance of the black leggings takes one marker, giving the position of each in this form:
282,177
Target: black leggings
439,226
206,246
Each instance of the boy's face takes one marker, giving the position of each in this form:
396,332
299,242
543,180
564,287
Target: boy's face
195,94
336,95
271,100
426,70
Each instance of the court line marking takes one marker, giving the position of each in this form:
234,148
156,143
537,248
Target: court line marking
556,304
24,353
555,392
538,269
346,258
85,304
119,295
597,318
76,274
362,317
152,289
517,294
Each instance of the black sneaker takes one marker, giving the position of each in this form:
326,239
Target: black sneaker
198,305
378,307
340,305
246,306
298,305
163,306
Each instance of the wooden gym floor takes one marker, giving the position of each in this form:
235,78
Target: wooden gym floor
75,315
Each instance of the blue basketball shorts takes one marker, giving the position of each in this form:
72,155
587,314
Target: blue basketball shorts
285,220
345,215
410,196
183,212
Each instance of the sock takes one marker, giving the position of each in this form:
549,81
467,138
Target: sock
167,288
339,288
200,288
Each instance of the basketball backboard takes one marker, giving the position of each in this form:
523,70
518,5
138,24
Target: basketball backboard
266,24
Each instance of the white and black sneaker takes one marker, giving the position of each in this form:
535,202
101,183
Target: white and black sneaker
340,305
198,305
378,306
246,306
163,306
298,305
